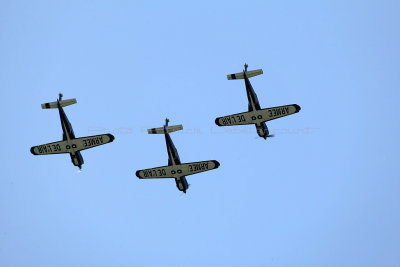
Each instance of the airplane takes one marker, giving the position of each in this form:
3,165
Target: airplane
175,168
69,144
255,115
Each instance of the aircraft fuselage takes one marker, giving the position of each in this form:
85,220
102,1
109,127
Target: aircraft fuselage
173,159
262,129
68,134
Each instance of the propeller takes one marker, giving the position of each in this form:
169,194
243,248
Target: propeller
183,193
271,135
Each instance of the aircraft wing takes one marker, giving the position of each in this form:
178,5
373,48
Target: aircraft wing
257,116
83,143
50,148
177,170
196,167
157,172
73,145
269,114
236,119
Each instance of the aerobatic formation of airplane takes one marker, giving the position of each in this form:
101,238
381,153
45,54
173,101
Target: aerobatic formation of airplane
175,168
69,144
255,115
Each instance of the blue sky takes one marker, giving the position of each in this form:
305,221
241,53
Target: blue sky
324,192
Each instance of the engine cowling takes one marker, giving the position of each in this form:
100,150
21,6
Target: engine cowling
262,130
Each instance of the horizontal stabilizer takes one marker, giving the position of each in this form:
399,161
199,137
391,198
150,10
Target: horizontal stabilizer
63,103
249,74
169,129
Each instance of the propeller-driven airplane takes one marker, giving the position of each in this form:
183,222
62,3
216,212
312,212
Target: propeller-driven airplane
175,168
69,144
255,115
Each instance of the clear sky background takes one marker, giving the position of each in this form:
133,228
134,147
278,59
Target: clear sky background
325,191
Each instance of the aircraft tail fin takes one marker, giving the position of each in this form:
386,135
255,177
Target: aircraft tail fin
63,103
240,75
169,129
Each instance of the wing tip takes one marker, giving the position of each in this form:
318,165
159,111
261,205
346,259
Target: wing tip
33,150
216,164
297,107
137,174
217,122
111,137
